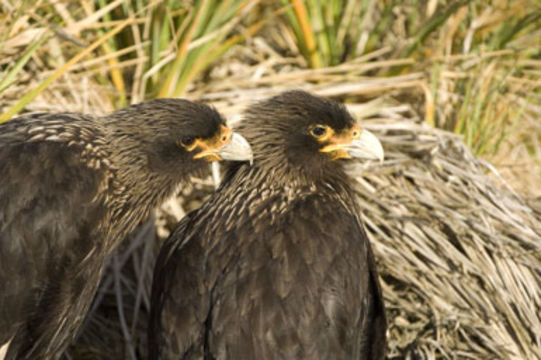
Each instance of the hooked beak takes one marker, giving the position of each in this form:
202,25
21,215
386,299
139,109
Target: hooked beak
365,146
238,149
227,146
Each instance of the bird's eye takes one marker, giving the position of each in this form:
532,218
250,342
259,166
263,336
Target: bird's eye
318,131
187,141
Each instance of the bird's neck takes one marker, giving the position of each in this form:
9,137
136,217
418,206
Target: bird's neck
264,183
250,194
290,177
140,189
135,190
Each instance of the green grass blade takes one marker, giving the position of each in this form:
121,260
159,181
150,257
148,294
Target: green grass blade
10,76
26,99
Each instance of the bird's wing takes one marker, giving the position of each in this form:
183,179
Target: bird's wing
298,289
177,335
377,342
266,291
46,217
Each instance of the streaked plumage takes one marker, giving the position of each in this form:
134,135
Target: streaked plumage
276,264
72,186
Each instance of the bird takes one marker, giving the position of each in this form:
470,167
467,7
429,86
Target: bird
72,187
276,264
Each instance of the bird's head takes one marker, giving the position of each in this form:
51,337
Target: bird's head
178,137
308,133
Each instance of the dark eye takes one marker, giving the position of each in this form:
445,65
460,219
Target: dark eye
318,131
187,141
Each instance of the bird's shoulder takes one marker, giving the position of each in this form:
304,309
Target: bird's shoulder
74,132
317,207
60,151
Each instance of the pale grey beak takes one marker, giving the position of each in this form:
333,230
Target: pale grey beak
238,149
367,147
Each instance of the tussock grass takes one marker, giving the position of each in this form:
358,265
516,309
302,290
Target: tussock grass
446,85
158,46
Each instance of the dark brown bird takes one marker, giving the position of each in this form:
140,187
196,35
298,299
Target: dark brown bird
71,187
276,265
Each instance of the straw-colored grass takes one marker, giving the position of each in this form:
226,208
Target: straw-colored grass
440,81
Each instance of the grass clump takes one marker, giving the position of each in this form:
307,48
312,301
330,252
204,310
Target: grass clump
138,49
459,257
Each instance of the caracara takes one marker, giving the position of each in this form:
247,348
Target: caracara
71,187
276,264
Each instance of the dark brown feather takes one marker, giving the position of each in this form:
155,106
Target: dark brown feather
72,186
276,264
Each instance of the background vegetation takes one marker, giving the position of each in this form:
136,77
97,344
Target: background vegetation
472,68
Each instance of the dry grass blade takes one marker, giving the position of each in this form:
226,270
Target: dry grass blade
459,257
458,251
31,95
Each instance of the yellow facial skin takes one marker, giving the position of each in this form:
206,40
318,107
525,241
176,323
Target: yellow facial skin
348,143
336,141
209,148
